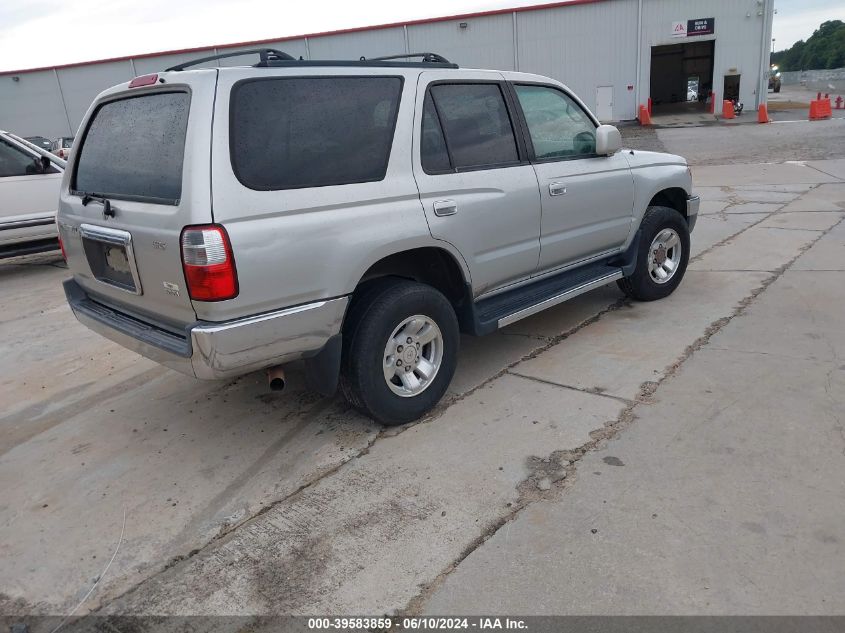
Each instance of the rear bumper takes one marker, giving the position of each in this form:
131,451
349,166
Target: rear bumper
693,202
217,350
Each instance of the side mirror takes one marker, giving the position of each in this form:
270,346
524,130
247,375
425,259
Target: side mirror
608,140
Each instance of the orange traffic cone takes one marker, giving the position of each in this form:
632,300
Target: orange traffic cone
645,117
763,114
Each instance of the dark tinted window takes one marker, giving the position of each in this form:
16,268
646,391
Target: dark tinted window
476,122
135,147
16,162
312,132
433,153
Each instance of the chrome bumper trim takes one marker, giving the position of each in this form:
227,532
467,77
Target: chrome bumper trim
218,350
237,347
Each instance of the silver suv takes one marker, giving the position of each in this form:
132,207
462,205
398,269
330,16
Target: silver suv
357,215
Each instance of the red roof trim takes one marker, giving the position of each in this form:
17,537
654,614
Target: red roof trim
182,51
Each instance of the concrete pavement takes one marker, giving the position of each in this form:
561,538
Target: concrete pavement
724,497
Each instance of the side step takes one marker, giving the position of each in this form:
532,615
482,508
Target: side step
513,305
29,248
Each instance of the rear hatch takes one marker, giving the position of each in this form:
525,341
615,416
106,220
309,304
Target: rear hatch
138,175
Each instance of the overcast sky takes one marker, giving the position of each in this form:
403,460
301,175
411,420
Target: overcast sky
36,33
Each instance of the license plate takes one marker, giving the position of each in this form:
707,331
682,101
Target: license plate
116,260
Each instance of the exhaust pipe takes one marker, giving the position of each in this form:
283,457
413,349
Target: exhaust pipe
276,378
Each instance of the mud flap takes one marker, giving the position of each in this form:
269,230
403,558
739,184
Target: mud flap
627,260
322,371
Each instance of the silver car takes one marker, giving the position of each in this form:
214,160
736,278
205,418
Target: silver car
357,215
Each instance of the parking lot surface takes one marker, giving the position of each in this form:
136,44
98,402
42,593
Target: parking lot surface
601,457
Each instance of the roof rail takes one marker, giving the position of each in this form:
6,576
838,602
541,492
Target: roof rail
265,54
426,57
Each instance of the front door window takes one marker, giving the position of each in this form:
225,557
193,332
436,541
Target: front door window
558,127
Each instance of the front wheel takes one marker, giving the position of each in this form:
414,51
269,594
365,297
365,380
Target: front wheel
400,350
662,256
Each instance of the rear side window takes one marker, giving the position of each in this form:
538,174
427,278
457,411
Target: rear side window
433,153
288,133
476,124
134,148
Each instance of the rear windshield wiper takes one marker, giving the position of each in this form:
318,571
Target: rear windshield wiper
96,197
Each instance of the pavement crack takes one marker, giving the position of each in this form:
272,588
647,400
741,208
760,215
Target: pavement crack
592,391
822,171
724,241
792,228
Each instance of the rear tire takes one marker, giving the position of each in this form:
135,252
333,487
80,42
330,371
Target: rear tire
662,256
382,374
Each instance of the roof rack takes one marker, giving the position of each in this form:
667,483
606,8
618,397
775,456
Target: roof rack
271,58
265,54
432,58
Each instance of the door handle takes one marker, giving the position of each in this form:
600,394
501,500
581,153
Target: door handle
445,207
557,189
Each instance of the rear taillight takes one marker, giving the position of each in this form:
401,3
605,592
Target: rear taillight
208,263
62,247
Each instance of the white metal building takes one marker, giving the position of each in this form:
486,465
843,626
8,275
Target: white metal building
614,54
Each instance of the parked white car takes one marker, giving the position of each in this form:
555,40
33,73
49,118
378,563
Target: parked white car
30,178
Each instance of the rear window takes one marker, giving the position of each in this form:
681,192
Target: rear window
288,133
134,148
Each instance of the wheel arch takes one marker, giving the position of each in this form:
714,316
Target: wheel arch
671,197
430,265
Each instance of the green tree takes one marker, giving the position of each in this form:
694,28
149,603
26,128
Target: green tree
824,49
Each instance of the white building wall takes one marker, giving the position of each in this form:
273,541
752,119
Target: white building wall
486,42
585,46
33,105
373,43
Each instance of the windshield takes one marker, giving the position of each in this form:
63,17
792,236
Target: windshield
133,148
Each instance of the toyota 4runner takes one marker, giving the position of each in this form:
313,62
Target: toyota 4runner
356,215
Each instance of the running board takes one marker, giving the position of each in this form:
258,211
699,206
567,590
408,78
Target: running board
560,298
510,306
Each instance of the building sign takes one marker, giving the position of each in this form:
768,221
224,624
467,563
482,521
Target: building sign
690,28
702,26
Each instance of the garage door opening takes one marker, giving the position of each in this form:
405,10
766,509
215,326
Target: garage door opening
681,77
